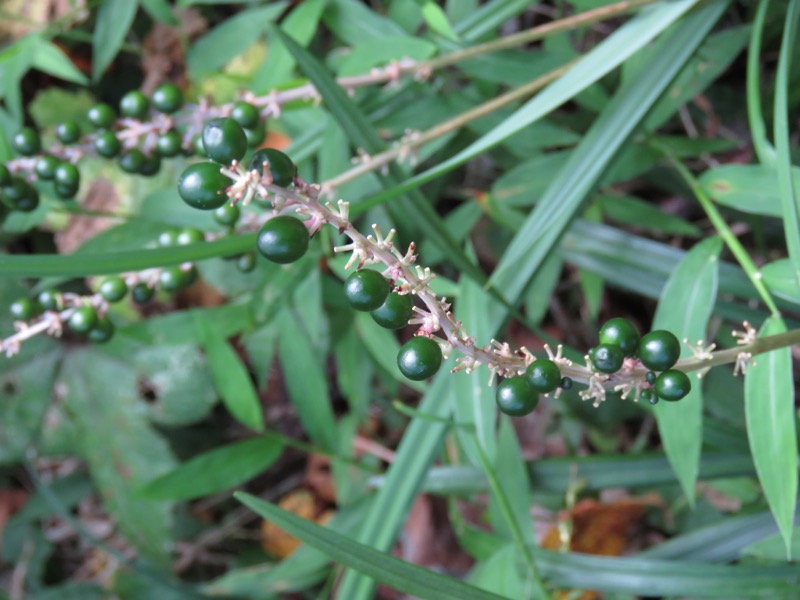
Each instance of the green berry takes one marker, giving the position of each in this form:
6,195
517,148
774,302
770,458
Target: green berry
227,214
107,144
168,237
102,331
142,293
27,141
101,116
172,279
283,239
566,383
20,195
131,160
50,299
203,186
672,385
23,309
280,166
5,175
620,332
366,290
647,395
224,140
246,262
113,288
659,350
245,114
170,144
255,136
68,132
151,165
516,397
67,174
134,105
65,191
607,358
419,358
189,235
543,375
46,167
167,98
395,311
650,377
197,146
83,319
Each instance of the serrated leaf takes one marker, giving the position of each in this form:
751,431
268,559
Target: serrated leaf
684,309
114,18
391,571
770,415
215,471
230,376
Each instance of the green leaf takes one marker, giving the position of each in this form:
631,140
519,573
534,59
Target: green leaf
395,573
216,471
769,410
752,189
114,19
229,374
779,277
354,22
684,309
51,59
437,20
160,10
630,210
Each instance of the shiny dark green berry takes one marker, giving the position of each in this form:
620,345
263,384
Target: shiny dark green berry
227,214
659,350
50,299
366,290
566,383
102,331
5,175
27,141
151,165
167,98
672,385
68,132
66,191
283,239
172,279
168,237
622,333
113,288
131,160
83,319
515,396
246,262
67,174
107,144
543,375
650,377
281,167
647,395
224,140
134,105
20,195
23,309
419,358
46,167
255,136
245,114
169,144
607,358
203,186
142,293
395,311
189,235
101,116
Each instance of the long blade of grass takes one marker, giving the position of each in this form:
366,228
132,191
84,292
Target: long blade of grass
755,116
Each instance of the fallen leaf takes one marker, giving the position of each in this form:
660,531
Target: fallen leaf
302,503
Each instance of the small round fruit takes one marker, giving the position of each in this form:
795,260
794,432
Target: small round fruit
543,376
227,214
20,195
83,319
256,135
65,191
102,331
67,174
172,279
366,290
203,186
566,383
280,166
113,288
27,141
167,98
23,309
395,311
246,262
169,144
622,333
224,140
189,235
607,358
134,105
142,293
419,358
245,114
672,385
46,167
650,377
68,132
283,239
168,237
101,116
50,299
151,165
515,396
107,144
131,161
659,350
647,395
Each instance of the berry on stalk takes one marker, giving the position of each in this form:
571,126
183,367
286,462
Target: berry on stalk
419,358
515,396
283,239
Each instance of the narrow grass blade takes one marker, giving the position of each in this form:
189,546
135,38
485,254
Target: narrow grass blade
684,309
755,115
114,18
391,571
769,410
